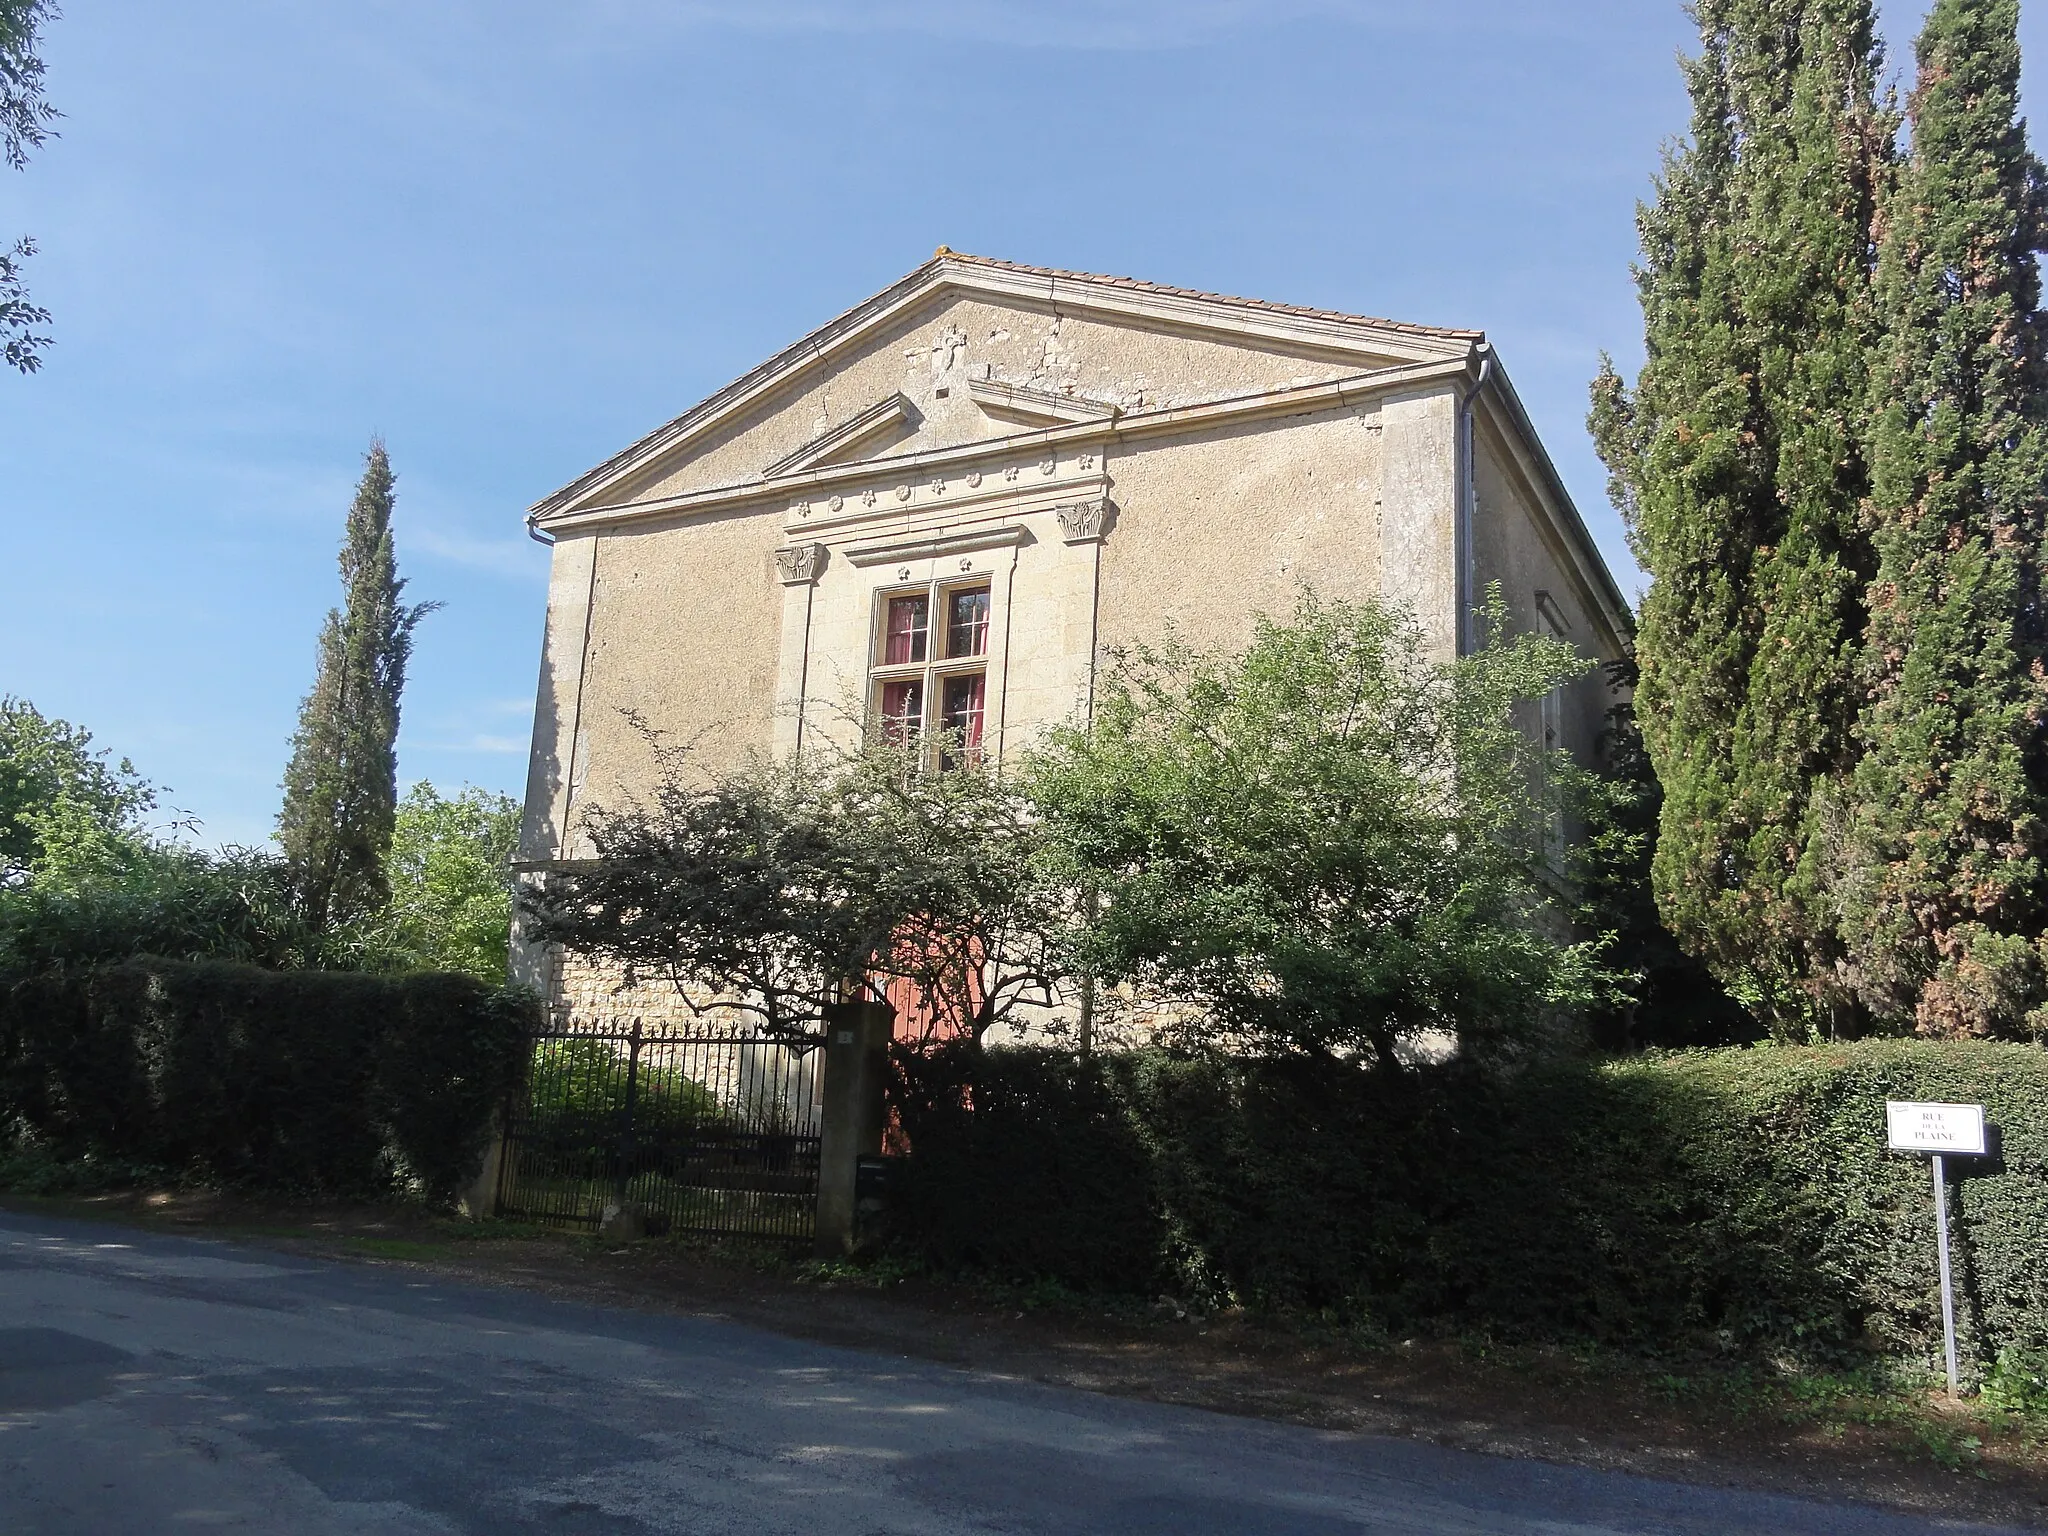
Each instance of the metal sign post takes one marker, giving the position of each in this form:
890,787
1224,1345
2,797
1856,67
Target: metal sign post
1948,1298
1945,1130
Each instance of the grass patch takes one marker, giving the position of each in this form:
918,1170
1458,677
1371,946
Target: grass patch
1900,1402
463,1229
32,1170
871,1274
401,1248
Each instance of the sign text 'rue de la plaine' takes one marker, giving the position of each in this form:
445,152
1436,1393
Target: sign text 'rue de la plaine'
1956,1129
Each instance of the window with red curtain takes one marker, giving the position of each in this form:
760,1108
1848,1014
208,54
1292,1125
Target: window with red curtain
906,636
918,683
966,622
903,710
960,712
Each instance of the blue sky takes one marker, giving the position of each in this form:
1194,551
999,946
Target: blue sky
510,236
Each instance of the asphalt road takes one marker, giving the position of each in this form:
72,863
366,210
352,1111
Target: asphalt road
162,1384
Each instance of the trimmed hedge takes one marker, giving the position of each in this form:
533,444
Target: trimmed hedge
1741,1197
324,1081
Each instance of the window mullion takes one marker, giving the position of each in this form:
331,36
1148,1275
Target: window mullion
935,647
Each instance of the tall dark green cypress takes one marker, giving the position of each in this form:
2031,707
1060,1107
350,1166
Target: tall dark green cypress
1939,869
341,788
1810,202
1685,470
1734,460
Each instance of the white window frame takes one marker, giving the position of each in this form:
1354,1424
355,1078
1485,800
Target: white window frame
933,671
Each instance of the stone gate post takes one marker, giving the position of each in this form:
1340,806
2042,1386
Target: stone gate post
480,1198
856,1074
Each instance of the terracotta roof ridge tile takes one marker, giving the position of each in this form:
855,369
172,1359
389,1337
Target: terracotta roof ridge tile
1145,286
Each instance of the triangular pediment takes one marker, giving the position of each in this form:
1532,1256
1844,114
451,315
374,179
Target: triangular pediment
893,417
968,350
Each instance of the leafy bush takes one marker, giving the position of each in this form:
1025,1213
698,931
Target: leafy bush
59,797
766,887
179,903
584,1080
1736,1197
84,881
2018,1381
1026,1163
450,911
451,890
1326,842
306,1080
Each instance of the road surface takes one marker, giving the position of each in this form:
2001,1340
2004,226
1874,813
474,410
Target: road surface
163,1384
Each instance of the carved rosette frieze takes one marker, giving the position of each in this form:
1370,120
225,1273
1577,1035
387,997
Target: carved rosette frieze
1083,522
798,564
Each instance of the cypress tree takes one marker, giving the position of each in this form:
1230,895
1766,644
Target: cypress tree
1673,1001
1805,272
341,788
1941,882
1734,461
1684,469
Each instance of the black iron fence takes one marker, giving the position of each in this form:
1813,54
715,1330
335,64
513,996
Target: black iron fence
710,1128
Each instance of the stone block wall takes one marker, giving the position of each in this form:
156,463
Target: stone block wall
584,988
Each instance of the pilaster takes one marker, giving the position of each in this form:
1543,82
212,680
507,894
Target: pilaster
1419,514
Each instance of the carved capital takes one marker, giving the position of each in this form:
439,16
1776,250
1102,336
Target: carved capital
798,564
1083,522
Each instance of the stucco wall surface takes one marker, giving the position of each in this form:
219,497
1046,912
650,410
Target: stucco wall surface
683,635
1515,545
1212,530
693,635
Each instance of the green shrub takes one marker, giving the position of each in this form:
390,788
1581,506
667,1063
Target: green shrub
448,1056
297,1080
1284,1184
583,1079
2018,1381
1736,1198
451,898
162,900
1027,1165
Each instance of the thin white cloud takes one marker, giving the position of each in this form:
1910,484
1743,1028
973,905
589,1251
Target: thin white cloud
480,742
501,556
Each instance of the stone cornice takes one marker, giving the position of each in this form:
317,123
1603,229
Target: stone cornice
857,428
928,546
1207,315
1038,407
894,473
1014,490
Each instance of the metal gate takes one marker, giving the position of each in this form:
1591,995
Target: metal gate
704,1128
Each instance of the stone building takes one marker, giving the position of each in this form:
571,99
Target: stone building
944,505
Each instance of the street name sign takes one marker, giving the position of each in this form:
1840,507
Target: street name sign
1945,1130
1954,1129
